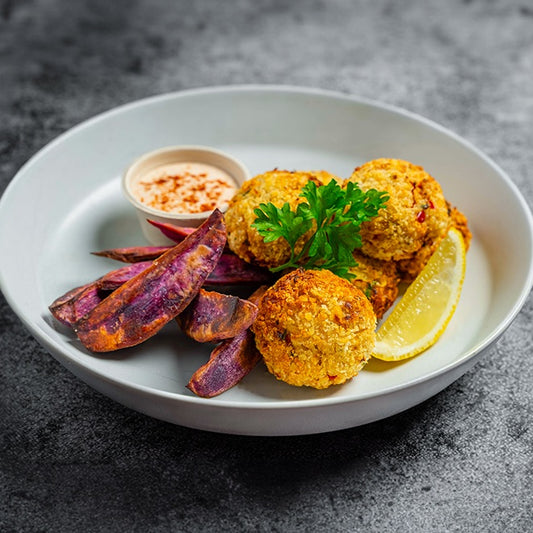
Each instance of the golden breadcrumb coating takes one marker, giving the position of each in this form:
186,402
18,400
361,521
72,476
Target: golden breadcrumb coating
416,213
410,268
460,222
378,280
315,329
278,187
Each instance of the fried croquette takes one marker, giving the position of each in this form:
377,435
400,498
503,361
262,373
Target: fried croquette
409,269
460,223
277,187
415,216
378,280
315,329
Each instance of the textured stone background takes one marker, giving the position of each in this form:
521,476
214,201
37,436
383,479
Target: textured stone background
73,460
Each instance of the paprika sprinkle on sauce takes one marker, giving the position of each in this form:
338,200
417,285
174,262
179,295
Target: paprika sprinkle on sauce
184,187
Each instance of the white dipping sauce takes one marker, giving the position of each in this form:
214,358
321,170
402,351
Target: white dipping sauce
186,187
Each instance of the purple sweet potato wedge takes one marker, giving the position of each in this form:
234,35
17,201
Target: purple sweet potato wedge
133,254
229,362
116,278
232,270
213,317
143,305
76,303
171,231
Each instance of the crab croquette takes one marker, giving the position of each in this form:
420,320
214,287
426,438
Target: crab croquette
378,280
415,215
409,269
278,187
314,329
460,223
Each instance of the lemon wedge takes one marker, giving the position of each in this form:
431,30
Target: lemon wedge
424,311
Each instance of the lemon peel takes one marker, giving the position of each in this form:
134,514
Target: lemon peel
424,311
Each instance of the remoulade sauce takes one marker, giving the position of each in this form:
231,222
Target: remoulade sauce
186,187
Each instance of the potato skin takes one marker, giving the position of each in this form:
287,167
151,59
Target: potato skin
278,187
140,307
214,317
314,329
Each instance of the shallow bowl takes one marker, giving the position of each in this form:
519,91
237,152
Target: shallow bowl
50,224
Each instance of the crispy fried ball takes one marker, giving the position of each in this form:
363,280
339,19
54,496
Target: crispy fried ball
460,222
278,187
410,268
416,214
314,328
378,280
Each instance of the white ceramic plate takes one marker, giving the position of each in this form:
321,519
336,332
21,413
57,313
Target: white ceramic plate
66,201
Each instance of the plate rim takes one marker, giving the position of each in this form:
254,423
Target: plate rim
57,350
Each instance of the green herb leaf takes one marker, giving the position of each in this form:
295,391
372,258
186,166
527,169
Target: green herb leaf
273,223
335,214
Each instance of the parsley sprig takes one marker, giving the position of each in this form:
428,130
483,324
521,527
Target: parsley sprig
334,213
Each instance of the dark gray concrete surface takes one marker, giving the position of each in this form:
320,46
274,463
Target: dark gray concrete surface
73,460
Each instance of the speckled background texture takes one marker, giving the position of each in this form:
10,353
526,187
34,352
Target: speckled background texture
73,460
